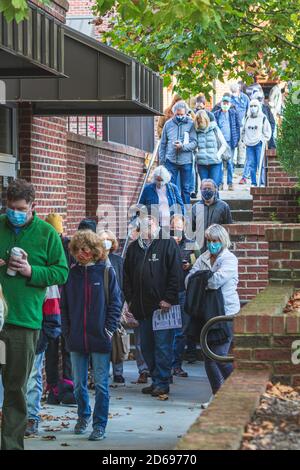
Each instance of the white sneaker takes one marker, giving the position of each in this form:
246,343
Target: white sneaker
206,404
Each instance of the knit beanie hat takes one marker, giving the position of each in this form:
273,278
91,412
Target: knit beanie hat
88,224
56,221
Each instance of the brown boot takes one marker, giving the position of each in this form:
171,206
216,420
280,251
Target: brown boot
143,378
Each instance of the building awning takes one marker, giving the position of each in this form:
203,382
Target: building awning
32,48
101,81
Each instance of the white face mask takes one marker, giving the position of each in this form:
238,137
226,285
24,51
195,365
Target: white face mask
254,110
107,244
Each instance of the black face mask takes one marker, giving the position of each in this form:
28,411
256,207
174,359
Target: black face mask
207,194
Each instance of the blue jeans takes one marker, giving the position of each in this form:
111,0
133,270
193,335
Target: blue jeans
140,361
246,171
253,157
118,369
157,349
35,388
230,170
185,172
180,336
218,372
210,171
80,365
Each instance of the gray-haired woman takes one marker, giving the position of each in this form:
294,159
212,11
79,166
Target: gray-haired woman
224,267
162,195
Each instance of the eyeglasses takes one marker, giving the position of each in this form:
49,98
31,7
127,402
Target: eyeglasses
253,128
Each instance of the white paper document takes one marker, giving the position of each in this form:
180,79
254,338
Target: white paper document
167,320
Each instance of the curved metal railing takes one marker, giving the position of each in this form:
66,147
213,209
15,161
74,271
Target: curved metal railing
203,339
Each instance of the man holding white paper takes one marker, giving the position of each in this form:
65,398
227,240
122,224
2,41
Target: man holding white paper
151,282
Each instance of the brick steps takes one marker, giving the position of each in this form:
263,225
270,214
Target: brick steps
242,215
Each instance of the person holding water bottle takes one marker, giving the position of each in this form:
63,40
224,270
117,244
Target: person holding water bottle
31,259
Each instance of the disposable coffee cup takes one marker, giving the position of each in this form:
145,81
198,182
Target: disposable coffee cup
16,253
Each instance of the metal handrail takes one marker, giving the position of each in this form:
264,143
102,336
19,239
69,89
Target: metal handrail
203,339
154,155
261,162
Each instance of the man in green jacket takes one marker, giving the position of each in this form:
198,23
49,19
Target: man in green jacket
43,263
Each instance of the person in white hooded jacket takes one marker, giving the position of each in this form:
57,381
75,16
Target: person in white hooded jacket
256,132
224,266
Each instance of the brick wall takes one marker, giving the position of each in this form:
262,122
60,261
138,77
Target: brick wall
42,153
72,174
103,174
252,251
263,333
57,8
276,203
76,206
284,254
276,175
279,200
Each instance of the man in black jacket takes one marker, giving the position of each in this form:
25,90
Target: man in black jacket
210,210
151,282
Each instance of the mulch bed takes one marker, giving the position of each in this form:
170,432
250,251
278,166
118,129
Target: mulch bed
276,422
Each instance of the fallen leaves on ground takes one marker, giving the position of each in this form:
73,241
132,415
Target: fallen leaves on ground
275,425
293,304
49,438
163,397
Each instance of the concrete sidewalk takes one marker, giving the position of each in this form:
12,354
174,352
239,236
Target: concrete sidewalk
136,421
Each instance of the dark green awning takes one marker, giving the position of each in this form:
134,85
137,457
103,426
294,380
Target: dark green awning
32,48
101,81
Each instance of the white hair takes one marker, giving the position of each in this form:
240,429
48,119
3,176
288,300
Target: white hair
163,173
217,232
234,87
180,105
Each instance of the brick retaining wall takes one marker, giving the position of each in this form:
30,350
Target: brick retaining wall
73,174
222,425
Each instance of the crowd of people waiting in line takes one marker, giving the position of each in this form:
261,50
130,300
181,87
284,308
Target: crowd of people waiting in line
201,142
74,292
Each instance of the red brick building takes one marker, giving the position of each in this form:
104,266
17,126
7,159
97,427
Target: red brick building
73,173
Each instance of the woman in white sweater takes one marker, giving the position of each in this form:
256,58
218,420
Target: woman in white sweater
224,266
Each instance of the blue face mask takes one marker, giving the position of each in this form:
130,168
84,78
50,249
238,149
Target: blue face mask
214,247
180,118
16,218
207,194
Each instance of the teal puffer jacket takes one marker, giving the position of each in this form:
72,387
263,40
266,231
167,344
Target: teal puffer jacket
207,146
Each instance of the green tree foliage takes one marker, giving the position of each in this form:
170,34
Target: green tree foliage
16,9
288,143
202,40
198,41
